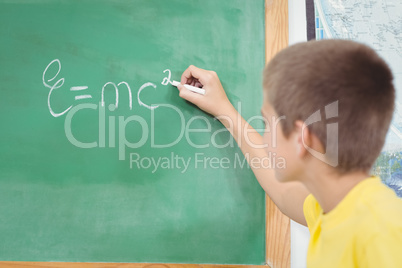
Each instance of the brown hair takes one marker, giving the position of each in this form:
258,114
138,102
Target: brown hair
306,77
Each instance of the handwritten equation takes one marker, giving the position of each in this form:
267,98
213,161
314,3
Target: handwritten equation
55,83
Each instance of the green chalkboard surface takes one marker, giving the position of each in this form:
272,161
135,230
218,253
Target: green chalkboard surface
100,160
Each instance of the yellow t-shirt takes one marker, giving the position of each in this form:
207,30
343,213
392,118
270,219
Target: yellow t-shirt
363,230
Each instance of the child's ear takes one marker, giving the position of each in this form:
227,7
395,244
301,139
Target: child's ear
303,138
306,140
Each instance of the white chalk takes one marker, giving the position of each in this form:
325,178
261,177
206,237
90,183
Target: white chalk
191,88
175,83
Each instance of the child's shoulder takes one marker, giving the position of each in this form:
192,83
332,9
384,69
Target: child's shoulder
379,210
378,231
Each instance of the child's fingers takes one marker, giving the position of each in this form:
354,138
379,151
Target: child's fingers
189,95
198,84
193,72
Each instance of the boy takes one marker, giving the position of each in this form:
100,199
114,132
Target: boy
338,98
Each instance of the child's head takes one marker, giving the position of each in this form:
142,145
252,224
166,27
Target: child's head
348,84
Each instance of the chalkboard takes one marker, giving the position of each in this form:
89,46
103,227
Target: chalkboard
86,116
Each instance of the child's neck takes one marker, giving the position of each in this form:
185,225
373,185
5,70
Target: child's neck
330,189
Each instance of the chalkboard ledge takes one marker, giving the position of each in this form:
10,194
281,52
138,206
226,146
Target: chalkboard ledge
12,264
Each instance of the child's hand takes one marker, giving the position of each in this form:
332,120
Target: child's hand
214,101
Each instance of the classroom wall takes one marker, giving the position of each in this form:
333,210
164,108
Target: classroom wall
299,235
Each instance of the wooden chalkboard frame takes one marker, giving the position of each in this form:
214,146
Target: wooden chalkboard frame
277,229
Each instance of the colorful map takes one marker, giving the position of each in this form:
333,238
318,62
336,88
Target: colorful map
379,25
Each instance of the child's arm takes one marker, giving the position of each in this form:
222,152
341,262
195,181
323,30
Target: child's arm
289,197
